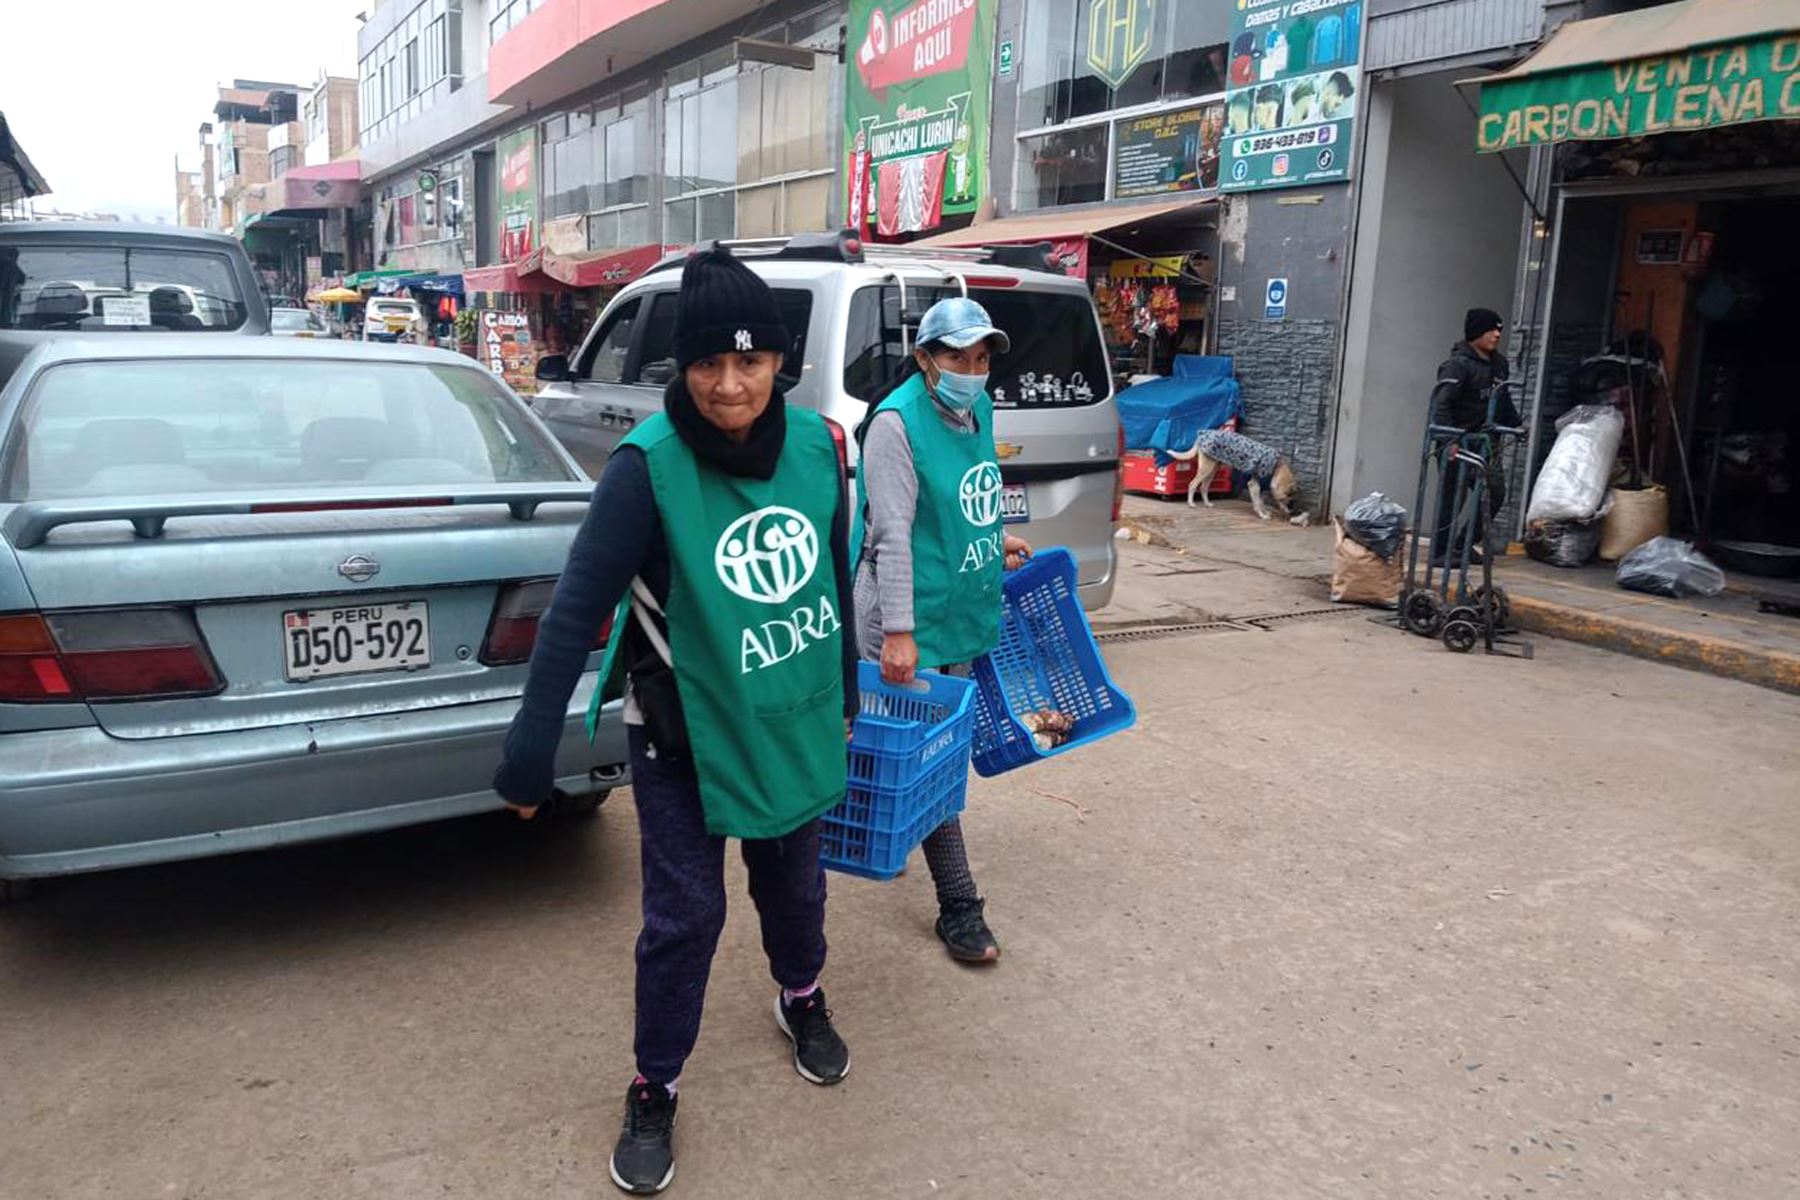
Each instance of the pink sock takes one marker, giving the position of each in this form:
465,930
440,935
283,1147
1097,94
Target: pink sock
668,1087
789,995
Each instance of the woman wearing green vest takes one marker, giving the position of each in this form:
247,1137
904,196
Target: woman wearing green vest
932,546
719,531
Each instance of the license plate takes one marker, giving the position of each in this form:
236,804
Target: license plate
356,639
1014,508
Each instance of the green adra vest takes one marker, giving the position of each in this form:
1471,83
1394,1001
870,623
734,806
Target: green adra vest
754,631
958,534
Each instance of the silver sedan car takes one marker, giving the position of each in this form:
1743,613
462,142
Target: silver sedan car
259,591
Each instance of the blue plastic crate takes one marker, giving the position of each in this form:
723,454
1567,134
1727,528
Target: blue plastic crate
1047,658
909,771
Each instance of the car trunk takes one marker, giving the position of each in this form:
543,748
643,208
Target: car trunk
374,572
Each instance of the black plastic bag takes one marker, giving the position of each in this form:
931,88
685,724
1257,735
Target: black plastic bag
1668,566
1563,543
1376,522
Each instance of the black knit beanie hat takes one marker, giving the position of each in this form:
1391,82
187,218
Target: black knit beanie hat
723,307
1480,321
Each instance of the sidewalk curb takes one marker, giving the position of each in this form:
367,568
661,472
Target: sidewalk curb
1714,655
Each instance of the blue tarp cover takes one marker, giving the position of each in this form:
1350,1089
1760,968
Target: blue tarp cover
1168,414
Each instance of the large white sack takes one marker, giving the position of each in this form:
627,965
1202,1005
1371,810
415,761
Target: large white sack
1573,482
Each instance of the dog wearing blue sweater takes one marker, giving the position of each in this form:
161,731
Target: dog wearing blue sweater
1215,448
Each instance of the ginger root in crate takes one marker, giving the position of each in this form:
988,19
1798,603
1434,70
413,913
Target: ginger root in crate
1048,727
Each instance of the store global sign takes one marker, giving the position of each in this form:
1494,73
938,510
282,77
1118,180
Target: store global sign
1757,79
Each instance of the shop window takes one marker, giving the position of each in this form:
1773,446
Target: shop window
1068,167
607,356
626,147
1058,81
620,228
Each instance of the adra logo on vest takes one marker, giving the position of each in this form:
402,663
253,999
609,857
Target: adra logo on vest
767,556
979,494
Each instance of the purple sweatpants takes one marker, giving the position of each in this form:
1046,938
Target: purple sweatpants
684,907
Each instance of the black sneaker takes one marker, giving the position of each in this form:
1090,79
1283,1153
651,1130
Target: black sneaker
819,1053
643,1160
965,932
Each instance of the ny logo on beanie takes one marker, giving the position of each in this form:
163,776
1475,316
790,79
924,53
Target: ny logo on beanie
743,339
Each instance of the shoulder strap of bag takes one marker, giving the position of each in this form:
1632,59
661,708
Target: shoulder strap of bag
645,608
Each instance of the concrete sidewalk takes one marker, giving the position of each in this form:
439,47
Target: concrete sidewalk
1242,566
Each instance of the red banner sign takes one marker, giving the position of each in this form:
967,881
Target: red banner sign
930,38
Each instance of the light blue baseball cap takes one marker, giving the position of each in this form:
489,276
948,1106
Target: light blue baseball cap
960,322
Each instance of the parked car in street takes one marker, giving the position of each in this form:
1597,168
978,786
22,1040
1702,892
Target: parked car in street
63,277
392,319
256,591
297,322
852,309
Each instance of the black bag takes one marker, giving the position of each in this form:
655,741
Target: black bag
1376,522
653,678
1563,543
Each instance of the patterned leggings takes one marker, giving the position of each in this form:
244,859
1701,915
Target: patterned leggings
948,859
945,853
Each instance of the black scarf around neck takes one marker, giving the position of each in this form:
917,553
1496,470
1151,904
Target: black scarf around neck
754,457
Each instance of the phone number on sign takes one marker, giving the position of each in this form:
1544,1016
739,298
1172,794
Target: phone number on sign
1299,139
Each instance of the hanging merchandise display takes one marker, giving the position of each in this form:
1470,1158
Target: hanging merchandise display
916,111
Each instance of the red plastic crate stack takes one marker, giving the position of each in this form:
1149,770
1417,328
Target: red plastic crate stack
1144,478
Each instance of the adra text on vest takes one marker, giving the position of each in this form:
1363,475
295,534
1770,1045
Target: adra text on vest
982,551
774,642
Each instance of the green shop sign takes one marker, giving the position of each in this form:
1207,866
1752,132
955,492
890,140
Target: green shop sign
1728,84
916,111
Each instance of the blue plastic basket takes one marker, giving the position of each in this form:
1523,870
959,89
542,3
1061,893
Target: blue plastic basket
909,771
1047,658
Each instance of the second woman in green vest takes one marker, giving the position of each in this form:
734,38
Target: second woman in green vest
719,531
932,545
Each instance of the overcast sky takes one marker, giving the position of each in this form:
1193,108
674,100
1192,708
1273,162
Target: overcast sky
103,94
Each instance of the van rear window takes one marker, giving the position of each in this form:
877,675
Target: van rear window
1057,359
99,288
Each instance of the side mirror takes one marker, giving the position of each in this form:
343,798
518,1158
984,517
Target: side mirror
552,368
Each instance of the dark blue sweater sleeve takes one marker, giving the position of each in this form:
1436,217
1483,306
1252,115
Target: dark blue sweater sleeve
609,550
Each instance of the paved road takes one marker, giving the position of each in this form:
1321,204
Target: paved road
1345,916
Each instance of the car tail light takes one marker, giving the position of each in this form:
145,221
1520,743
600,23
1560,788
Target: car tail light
1119,480
842,443
30,668
513,629
113,654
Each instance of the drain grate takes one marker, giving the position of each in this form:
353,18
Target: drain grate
1150,633
1256,624
1295,618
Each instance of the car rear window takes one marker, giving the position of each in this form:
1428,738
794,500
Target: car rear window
1056,361
200,426
292,320
98,288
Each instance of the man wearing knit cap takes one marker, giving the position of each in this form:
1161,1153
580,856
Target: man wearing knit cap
716,538
1466,383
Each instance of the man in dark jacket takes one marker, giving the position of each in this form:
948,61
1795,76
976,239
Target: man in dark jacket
1466,382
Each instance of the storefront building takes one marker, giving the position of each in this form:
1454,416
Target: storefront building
1105,138
1675,137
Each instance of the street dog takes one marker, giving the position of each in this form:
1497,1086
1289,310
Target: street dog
1215,448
